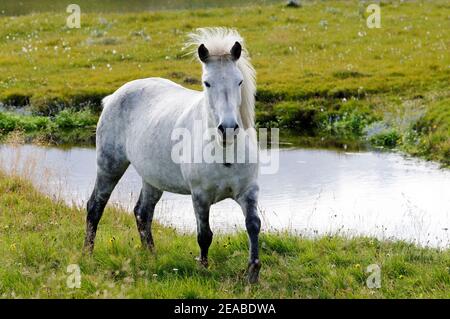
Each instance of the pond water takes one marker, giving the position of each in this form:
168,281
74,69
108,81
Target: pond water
314,192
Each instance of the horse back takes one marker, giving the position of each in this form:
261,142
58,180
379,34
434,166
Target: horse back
136,125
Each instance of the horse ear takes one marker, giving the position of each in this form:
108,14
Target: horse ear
203,53
236,51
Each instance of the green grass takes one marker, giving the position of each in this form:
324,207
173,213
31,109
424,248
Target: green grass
294,54
433,132
28,6
66,127
322,73
40,238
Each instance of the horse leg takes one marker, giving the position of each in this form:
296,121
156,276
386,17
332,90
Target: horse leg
143,212
248,201
104,185
204,233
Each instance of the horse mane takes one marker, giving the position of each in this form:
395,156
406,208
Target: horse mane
219,42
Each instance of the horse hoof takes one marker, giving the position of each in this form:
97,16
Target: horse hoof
149,248
253,271
203,262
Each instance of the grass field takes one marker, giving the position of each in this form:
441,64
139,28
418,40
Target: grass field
322,49
29,6
40,237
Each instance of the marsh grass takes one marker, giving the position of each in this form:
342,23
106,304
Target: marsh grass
68,126
41,237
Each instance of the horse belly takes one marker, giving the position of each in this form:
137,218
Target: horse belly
160,171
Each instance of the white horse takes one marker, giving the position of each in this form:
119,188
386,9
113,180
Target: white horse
135,127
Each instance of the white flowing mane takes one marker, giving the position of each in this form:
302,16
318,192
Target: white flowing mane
219,42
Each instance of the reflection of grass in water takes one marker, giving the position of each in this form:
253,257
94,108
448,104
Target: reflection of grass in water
13,165
40,237
31,166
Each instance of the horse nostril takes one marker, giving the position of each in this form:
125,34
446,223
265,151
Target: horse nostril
221,129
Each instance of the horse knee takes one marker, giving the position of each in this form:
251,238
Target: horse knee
204,238
138,209
145,206
95,207
249,204
253,224
95,210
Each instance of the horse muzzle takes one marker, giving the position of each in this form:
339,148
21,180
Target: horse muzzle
228,132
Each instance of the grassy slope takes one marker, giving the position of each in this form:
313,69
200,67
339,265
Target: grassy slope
40,238
324,47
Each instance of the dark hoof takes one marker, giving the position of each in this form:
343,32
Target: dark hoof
203,262
253,271
149,247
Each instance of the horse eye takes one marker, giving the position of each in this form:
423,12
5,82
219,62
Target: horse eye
207,84
240,83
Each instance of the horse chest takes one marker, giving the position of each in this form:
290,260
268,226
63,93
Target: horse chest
222,181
